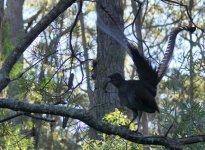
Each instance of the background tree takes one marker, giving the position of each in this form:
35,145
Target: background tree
57,100
107,47
1,22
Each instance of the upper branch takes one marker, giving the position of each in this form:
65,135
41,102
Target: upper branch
103,127
29,38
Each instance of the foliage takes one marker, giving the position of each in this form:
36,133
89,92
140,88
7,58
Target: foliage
113,142
48,65
13,137
186,115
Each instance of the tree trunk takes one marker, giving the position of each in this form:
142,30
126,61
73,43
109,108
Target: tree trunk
86,56
50,136
37,137
14,17
191,63
1,23
110,58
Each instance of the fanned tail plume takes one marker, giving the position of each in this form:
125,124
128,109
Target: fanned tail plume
145,71
170,48
144,68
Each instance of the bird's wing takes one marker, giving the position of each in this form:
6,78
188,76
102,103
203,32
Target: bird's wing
144,68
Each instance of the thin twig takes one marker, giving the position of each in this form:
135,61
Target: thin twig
12,117
39,118
165,135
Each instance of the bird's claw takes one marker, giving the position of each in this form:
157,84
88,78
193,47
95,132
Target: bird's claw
137,132
126,126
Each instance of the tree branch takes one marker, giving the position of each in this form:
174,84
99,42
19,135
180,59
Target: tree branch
192,139
26,114
40,118
28,39
12,117
103,127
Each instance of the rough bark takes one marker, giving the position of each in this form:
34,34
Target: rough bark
15,20
110,57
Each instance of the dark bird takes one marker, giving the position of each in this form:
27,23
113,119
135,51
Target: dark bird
139,95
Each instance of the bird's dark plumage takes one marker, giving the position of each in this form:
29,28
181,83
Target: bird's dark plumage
139,95
135,94
144,68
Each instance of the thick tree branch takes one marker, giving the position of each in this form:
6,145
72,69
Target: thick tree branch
192,139
88,119
28,39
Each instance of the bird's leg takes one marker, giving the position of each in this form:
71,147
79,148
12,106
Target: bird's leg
165,135
139,117
135,114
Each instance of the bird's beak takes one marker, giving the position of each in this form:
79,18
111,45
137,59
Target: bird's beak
105,83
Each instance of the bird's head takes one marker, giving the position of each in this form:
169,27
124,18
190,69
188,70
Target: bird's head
116,79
